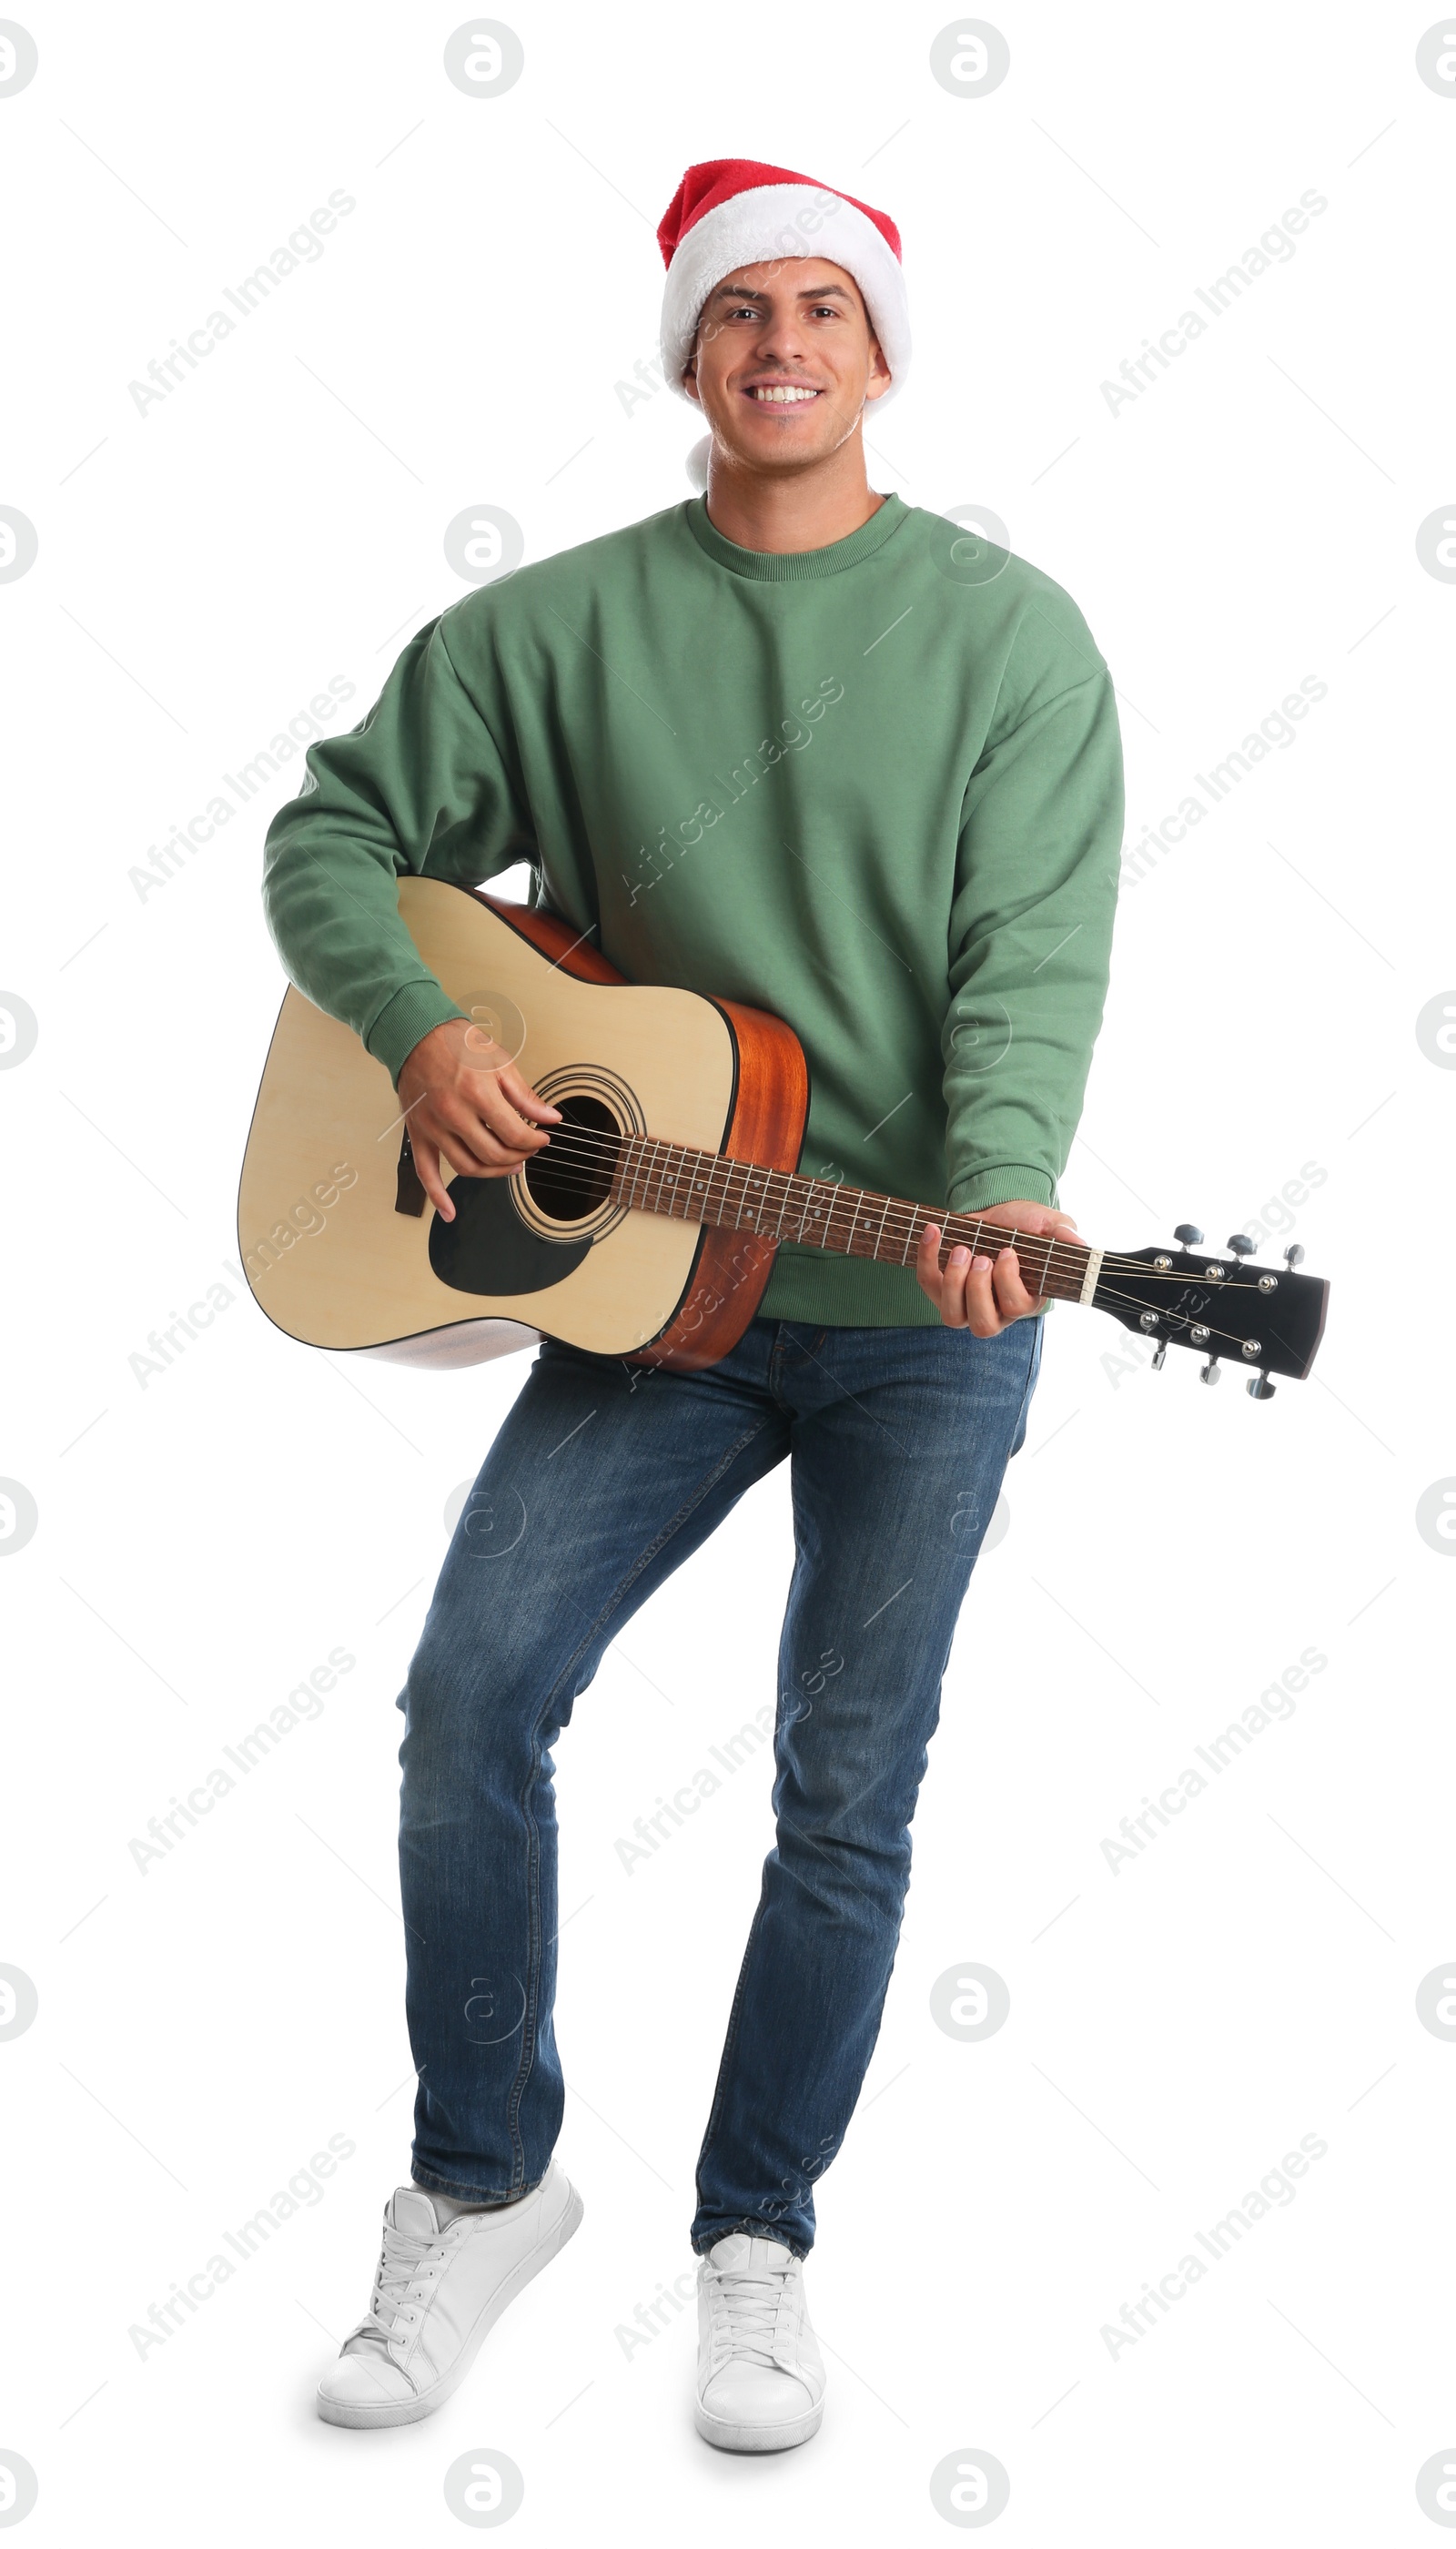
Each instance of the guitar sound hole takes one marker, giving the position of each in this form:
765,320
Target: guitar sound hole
572,1175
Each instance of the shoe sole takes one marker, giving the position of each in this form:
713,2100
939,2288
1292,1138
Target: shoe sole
730,2435
409,2412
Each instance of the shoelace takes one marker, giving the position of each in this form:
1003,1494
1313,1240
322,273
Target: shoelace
751,2306
403,2253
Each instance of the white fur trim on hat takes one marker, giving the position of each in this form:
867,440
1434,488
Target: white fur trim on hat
768,222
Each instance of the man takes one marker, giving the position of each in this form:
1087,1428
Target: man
799,745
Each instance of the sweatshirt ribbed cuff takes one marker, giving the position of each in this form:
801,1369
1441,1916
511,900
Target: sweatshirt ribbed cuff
1009,1184
406,1016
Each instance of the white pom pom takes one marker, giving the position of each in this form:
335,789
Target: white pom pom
696,464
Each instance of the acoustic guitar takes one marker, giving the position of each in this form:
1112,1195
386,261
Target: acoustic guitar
645,1228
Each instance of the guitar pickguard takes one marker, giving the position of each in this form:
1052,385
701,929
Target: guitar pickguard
488,1247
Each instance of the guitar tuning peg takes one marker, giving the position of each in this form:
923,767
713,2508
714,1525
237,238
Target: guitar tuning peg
1259,1385
1208,1371
1292,1255
1240,1245
1187,1236
1161,1357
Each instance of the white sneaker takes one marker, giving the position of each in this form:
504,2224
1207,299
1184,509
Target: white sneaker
760,2378
439,2289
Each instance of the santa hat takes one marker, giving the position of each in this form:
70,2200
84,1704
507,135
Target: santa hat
729,213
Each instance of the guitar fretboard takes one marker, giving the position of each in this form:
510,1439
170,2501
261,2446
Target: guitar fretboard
846,1221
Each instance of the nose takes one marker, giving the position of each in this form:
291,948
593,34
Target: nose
783,338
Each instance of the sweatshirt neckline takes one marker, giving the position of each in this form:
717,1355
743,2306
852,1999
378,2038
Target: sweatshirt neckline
797,566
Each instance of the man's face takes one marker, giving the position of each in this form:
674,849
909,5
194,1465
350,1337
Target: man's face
795,324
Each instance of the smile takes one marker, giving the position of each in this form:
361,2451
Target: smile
783,395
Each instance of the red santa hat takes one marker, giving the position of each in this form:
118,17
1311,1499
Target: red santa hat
729,213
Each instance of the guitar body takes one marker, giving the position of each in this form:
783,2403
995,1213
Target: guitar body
342,1249
646,1226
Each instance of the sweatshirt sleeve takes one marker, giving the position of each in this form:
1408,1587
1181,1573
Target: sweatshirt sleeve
420,788
1030,938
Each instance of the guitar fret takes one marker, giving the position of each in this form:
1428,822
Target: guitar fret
653,1174
650,1173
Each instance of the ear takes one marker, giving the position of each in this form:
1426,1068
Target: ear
879,373
690,377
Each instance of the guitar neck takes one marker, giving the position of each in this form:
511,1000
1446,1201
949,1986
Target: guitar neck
845,1221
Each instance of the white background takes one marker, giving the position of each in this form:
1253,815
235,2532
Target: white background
204,1540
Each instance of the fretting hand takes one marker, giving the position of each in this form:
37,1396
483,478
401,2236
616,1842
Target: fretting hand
985,1293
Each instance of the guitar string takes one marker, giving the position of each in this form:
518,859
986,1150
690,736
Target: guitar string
1186,1320
1069,1254
1226,1334
899,1222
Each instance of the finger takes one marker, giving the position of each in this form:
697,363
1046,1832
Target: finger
954,1302
927,1263
488,1106
426,1166
1011,1297
461,1138
483,1157
982,1310
524,1099
488,1126
486,1060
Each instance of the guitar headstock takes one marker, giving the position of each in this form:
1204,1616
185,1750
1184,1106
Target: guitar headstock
1227,1308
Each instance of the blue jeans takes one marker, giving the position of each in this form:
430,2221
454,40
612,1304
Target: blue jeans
602,1479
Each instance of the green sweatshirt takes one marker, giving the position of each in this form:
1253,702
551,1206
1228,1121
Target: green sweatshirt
875,788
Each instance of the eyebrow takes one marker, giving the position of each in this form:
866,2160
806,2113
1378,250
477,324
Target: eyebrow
812,292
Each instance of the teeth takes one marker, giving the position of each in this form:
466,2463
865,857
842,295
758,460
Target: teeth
784,396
